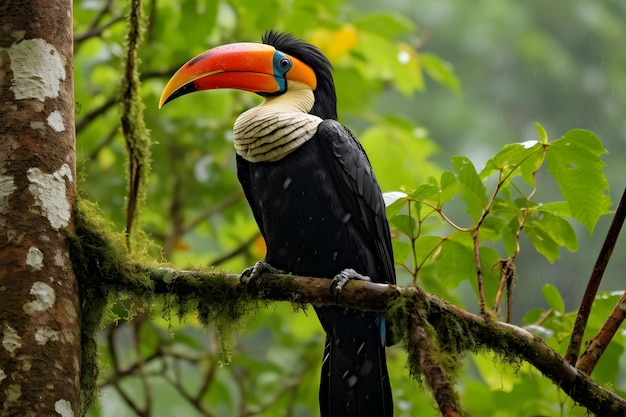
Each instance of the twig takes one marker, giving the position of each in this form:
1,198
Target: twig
93,29
291,384
97,31
194,401
479,270
218,208
116,381
594,281
141,361
237,251
545,316
176,229
103,11
507,278
103,143
94,114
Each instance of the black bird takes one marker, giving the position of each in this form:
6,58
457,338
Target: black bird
314,197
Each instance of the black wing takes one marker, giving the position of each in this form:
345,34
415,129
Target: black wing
353,177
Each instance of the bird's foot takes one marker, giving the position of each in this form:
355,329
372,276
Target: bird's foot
255,271
340,280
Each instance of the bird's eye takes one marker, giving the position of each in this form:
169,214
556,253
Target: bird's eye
284,63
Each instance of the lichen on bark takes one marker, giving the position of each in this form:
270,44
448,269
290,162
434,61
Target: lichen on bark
39,307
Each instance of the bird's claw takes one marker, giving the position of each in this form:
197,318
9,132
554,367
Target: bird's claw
340,280
258,269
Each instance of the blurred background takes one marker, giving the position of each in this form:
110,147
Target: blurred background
418,82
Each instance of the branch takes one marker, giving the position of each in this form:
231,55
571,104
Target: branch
458,330
421,348
594,281
104,267
598,345
133,124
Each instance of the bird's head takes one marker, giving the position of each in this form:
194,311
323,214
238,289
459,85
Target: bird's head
269,69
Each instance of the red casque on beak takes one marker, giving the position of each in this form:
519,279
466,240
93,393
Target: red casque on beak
242,66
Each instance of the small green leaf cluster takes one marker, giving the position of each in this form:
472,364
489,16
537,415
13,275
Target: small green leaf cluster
499,206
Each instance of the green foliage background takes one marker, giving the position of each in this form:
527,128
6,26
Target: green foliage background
418,82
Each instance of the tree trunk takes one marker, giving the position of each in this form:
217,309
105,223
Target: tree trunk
39,303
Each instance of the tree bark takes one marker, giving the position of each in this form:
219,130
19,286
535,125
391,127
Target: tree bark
39,302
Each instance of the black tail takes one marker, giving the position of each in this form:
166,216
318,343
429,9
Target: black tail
355,382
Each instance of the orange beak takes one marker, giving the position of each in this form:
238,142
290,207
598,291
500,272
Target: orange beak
253,67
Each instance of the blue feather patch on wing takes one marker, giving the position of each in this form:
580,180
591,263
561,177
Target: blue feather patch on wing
382,325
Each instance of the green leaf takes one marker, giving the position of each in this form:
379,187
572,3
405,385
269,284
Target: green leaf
408,77
394,202
405,224
473,191
386,24
542,242
399,149
574,161
553,297
455,262
401,251
509,236
547,232
440,71
425,247
449,187
515,159
497,224
559,229
428,193
543,135
558,208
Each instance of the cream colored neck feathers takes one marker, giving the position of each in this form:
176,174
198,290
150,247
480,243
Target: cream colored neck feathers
277,126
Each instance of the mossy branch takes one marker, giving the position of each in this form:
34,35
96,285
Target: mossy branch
133,125
220,299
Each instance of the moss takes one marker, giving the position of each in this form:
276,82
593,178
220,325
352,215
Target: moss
215,301
136,134
449,334
99,261
106,273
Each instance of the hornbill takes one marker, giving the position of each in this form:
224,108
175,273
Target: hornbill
314,197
